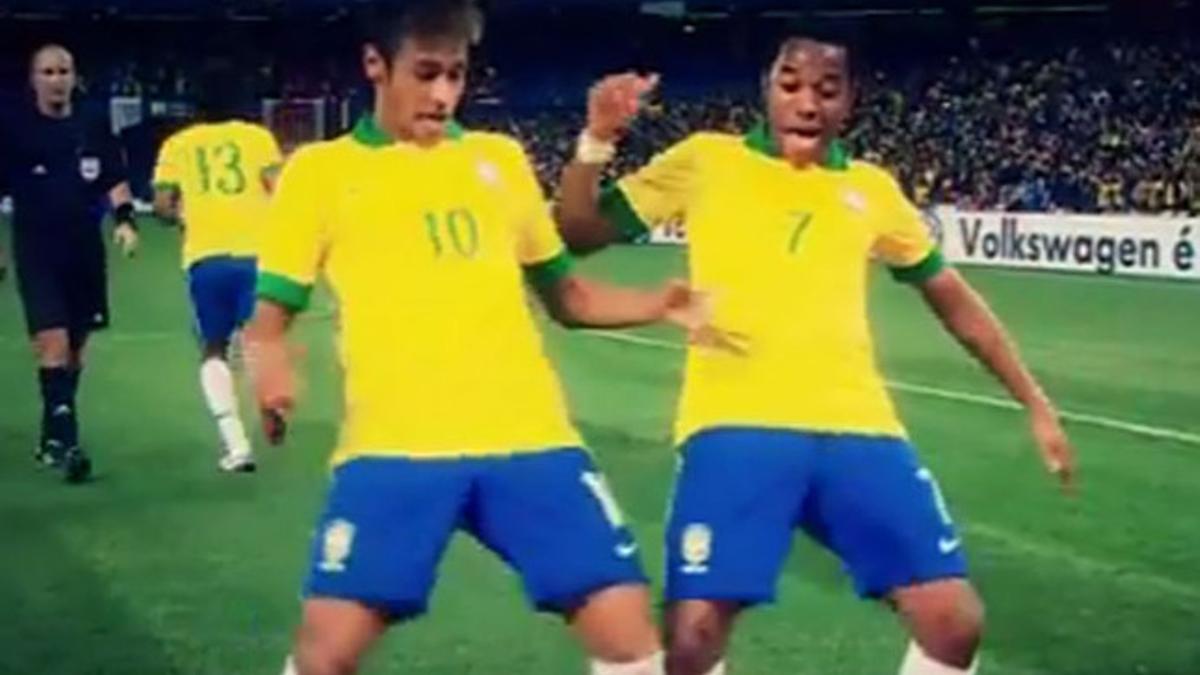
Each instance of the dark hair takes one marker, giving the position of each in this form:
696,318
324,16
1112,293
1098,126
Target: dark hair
388,23
222,93
824,34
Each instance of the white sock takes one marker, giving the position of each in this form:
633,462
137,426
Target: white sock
216,380
289,667
655,664
718,669
917,662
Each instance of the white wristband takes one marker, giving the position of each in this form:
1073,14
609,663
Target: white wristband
591,150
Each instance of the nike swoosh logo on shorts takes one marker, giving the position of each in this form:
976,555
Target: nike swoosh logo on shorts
948,546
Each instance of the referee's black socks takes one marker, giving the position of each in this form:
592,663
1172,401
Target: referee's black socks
58,405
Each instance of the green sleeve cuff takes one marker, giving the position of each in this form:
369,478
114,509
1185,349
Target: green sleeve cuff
284,291
618,210
545,275
166,187
923,271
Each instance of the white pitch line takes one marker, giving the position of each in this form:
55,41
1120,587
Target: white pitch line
1147,430
1099,569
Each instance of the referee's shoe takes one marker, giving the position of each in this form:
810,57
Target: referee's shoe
74,463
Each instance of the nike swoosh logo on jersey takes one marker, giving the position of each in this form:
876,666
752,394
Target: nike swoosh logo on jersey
625,550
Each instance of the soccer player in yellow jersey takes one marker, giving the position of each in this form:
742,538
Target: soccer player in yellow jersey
796,429
454,417
216,176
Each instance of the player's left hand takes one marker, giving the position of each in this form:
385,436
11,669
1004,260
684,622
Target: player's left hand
691,310
274,379
1055,447
126,239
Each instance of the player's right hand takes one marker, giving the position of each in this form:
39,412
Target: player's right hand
614,102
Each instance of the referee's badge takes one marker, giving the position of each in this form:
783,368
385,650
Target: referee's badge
89,168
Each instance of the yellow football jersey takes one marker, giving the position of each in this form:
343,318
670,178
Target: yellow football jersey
786,254
424,250
221,172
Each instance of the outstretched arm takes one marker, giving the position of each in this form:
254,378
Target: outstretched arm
966,315
576,302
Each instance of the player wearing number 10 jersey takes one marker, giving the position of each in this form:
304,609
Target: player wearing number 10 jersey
216,176
454,417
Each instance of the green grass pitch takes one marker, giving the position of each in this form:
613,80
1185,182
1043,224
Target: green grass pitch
163,566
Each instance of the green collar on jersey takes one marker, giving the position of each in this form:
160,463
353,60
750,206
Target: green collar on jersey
368,132
761,139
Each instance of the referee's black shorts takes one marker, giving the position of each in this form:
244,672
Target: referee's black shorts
64,293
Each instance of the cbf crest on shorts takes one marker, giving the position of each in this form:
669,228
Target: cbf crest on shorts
336,546
696,546
89,168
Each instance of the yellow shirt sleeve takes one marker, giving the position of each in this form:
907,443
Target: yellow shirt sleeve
903,241
654,195
295,237
168,169
540,249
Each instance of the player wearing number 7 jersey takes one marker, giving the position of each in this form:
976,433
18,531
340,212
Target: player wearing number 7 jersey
426,234
215,177
793,427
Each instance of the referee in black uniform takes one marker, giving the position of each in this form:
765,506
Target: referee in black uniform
64,171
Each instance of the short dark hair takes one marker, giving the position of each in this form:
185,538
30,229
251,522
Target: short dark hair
222,93
848,37
793,37
388,23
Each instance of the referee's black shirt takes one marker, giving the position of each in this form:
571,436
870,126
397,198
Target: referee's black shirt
59,173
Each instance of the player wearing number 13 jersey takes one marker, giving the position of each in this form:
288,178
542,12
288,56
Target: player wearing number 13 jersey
426,234
790,426
215,177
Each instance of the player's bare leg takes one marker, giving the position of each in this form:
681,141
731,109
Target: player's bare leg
617,631
945,619
698,634
333,637
220,393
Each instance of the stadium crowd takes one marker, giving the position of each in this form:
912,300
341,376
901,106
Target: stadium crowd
1107,130
1108,127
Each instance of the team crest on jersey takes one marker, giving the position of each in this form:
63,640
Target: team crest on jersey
488,173
696,547
855,201
89,168
337,546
